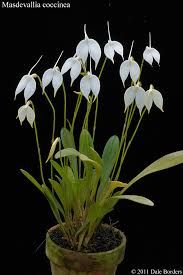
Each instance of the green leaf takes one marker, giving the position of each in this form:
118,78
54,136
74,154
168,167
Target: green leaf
67,184
73,152
58,190
109,156
68,142
135,198
32,179
54,204
162,163
95,156
85,142
113,185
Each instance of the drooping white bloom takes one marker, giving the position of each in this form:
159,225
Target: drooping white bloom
89,83
28,84
155,96
74,65
112,46
136,93
88,46
53,75
151,53
131,67
26,111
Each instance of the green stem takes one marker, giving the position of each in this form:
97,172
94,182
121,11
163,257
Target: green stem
38,148
121,142
85,123
78,103
102,68
129,143
65,105
54,116
141,66
95,119
54,119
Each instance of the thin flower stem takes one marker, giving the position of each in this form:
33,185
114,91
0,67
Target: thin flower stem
78,103
141,66
65,105
126,126
121,142
124,135
38,147
54,116
95,119
96,104
102,68
85,123
129,143
54,120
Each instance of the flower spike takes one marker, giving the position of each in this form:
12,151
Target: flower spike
88,46
54,75
129,66
112,46
151,53
27,83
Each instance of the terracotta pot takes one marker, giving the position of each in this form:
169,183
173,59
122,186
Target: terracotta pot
68,262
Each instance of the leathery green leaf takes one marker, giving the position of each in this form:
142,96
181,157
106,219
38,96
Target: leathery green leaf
135,198
53,203
67,139
113,185
109,155
32,179
162,163
68,185
85,142
73,152
60,194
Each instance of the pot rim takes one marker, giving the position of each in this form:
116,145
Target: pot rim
122,244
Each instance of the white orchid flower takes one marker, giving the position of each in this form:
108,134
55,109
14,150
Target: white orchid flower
89,83
131,67
112,46
88,46
26,111
53,75
155,96
74,65
151,53
28,84
136,93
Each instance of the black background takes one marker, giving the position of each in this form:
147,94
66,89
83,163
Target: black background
154,234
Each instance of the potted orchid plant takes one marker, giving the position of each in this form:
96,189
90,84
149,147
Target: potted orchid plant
84,185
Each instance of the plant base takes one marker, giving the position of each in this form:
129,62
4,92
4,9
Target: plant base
68,262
